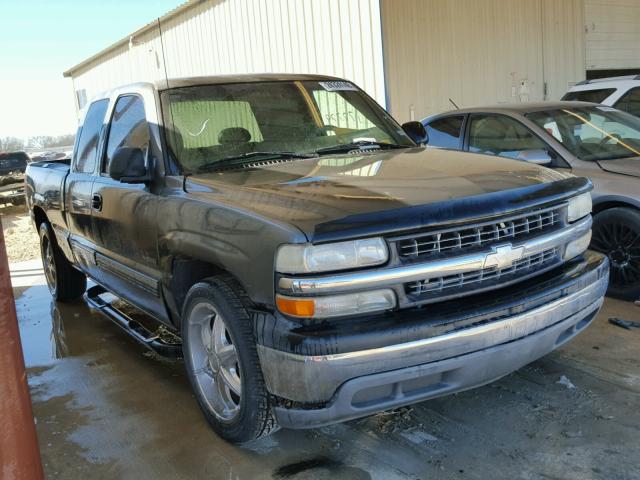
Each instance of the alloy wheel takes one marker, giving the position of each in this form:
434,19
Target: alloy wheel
215,363
49,264
621,244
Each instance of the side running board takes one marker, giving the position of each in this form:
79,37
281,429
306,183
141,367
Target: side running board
151,340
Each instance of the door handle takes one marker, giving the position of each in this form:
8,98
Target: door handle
96,202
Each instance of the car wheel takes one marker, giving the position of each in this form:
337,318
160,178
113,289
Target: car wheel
616,233
222,363
64,281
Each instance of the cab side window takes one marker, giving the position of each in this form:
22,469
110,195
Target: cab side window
502,136
85,155
445,132
630,102
129,127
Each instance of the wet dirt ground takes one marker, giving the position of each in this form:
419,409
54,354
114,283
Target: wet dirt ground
21,238
106,408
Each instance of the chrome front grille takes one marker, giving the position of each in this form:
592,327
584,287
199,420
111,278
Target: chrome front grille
478,279
484,256
455,241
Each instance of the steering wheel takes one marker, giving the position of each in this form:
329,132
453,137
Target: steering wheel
327,128
609,138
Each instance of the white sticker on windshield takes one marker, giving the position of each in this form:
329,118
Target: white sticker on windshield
338,85
606,109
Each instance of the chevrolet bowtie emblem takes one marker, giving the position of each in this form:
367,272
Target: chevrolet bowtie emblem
503,256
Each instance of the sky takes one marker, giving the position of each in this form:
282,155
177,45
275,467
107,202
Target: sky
39,39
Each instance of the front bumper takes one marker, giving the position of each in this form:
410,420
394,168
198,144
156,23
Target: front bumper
328,388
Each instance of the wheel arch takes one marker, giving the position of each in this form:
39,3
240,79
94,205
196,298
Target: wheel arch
613,202
39,216
186,271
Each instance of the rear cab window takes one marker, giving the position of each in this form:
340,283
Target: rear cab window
85,156
446,132
593,96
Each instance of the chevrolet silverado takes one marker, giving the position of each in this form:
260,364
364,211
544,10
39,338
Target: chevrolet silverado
316,262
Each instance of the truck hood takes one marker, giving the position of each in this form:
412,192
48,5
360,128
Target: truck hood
624,166
337,197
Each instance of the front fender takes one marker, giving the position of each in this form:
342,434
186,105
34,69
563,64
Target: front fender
226,238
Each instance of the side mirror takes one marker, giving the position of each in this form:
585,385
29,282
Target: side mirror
128,166
416,132
539,157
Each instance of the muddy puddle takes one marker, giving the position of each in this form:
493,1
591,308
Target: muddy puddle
106,408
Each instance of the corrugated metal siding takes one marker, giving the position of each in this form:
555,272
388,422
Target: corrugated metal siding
476,52
564,45
333,37
613,34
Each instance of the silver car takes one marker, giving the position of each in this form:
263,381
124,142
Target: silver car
586,139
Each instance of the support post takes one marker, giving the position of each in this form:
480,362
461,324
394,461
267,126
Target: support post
19,451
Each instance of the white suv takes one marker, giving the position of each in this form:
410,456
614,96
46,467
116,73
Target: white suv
622,93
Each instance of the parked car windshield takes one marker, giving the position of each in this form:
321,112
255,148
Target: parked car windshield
211,124
592,133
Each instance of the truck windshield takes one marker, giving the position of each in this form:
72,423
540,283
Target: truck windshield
215,124
592,133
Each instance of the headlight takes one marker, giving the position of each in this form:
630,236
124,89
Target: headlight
337,305
331,256
577,246
579,207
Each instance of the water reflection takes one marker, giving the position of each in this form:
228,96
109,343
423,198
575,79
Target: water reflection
52,331
60,348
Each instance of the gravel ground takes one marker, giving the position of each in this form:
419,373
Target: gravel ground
20,236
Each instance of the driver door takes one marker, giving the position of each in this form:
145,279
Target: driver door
124,220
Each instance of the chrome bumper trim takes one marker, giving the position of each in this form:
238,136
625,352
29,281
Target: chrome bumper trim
316,378
432,269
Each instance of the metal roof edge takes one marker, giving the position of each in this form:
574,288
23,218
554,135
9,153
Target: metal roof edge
124,41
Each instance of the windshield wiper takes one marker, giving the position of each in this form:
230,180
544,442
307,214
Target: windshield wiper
360,145
240,159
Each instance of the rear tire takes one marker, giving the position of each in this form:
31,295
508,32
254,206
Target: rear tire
616,233
222,362
64,281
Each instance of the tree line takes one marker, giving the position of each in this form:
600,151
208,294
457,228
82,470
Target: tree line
37,142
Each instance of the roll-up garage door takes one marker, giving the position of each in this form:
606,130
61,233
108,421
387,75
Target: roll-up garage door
612,34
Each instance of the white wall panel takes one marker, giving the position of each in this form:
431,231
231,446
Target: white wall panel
612,34
478,52
564,45
333,37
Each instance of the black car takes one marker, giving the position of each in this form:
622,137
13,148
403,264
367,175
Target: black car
12,166
12,169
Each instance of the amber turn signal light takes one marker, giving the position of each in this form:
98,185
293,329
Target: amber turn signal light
297,307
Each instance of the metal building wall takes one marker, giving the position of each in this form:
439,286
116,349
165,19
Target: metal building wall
563,45
613,34
479,52
333,37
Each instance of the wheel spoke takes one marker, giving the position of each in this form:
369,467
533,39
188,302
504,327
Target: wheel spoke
205,370
227,355
229,381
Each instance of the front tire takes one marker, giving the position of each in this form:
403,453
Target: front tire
616,233
222,363
64,281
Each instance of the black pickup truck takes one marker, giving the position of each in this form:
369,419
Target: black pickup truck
316,262
12,168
